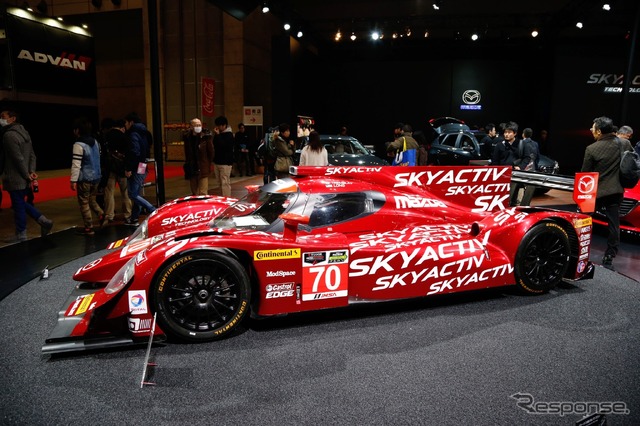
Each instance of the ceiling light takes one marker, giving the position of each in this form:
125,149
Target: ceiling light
606,7
408,31
579,24
287,26
338,36
375,35
436,5
59,18
265,7
85,26
300,34
353,36
534,33
474,36
426,34
394,35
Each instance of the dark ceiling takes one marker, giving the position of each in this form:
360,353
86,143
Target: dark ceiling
456,19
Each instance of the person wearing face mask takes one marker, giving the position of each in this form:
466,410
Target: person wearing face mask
198,155
18,167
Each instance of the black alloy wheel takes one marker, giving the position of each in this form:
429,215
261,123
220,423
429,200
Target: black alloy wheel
201,296
542,258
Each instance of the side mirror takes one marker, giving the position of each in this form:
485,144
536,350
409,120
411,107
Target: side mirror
291,222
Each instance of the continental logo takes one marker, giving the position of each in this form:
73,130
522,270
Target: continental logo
276,254
581,223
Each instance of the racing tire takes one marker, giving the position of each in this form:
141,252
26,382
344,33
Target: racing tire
201,296
542,258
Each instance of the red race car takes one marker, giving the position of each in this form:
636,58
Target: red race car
328,237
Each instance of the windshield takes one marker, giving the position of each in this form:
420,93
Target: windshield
257,210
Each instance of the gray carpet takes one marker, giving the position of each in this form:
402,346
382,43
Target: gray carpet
445,360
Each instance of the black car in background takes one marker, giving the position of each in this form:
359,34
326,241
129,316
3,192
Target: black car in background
345,151
455,143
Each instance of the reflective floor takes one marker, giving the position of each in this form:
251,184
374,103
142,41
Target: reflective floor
22,262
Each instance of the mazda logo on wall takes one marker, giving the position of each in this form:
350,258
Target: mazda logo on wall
471,97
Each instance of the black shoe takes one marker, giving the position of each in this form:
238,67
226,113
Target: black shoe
607,262
131,222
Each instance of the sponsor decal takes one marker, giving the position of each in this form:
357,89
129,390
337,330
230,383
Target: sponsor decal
467,279
190,218
411,237
338,257
140,325
416,257
90,265
585,237
416,202
65,60
585,224
138,302
584,256
117,244
326,276
344,170
81,305
314,258
581,266
276,254
509,214
275,291
271,274
439,177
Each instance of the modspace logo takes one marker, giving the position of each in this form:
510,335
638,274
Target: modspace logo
65,60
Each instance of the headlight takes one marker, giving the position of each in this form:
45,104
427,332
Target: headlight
122,277
141,233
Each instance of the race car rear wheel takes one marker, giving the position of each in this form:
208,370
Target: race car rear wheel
201,296
542,258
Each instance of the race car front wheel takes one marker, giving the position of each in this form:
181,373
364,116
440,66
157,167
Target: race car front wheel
201,296
542,258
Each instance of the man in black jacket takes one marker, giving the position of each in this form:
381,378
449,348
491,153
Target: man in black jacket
603,156
506,153
223,142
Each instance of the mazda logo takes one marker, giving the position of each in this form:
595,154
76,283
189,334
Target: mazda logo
586,184
471,97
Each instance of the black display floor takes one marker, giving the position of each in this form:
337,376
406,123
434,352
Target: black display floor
474,358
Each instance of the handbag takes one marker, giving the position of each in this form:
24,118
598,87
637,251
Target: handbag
406,157
282,164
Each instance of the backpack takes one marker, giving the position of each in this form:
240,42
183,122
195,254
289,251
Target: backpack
629,168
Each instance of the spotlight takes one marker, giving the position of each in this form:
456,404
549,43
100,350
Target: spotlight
300,34
26,6
606,7
265,7
534,33
474,36
287,26
408,31
426,34
42,7
96,3
437,4
338,36
85,26
353,36
579,24
375,35
59,18
394,35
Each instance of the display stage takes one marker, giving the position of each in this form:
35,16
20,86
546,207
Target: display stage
486,357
